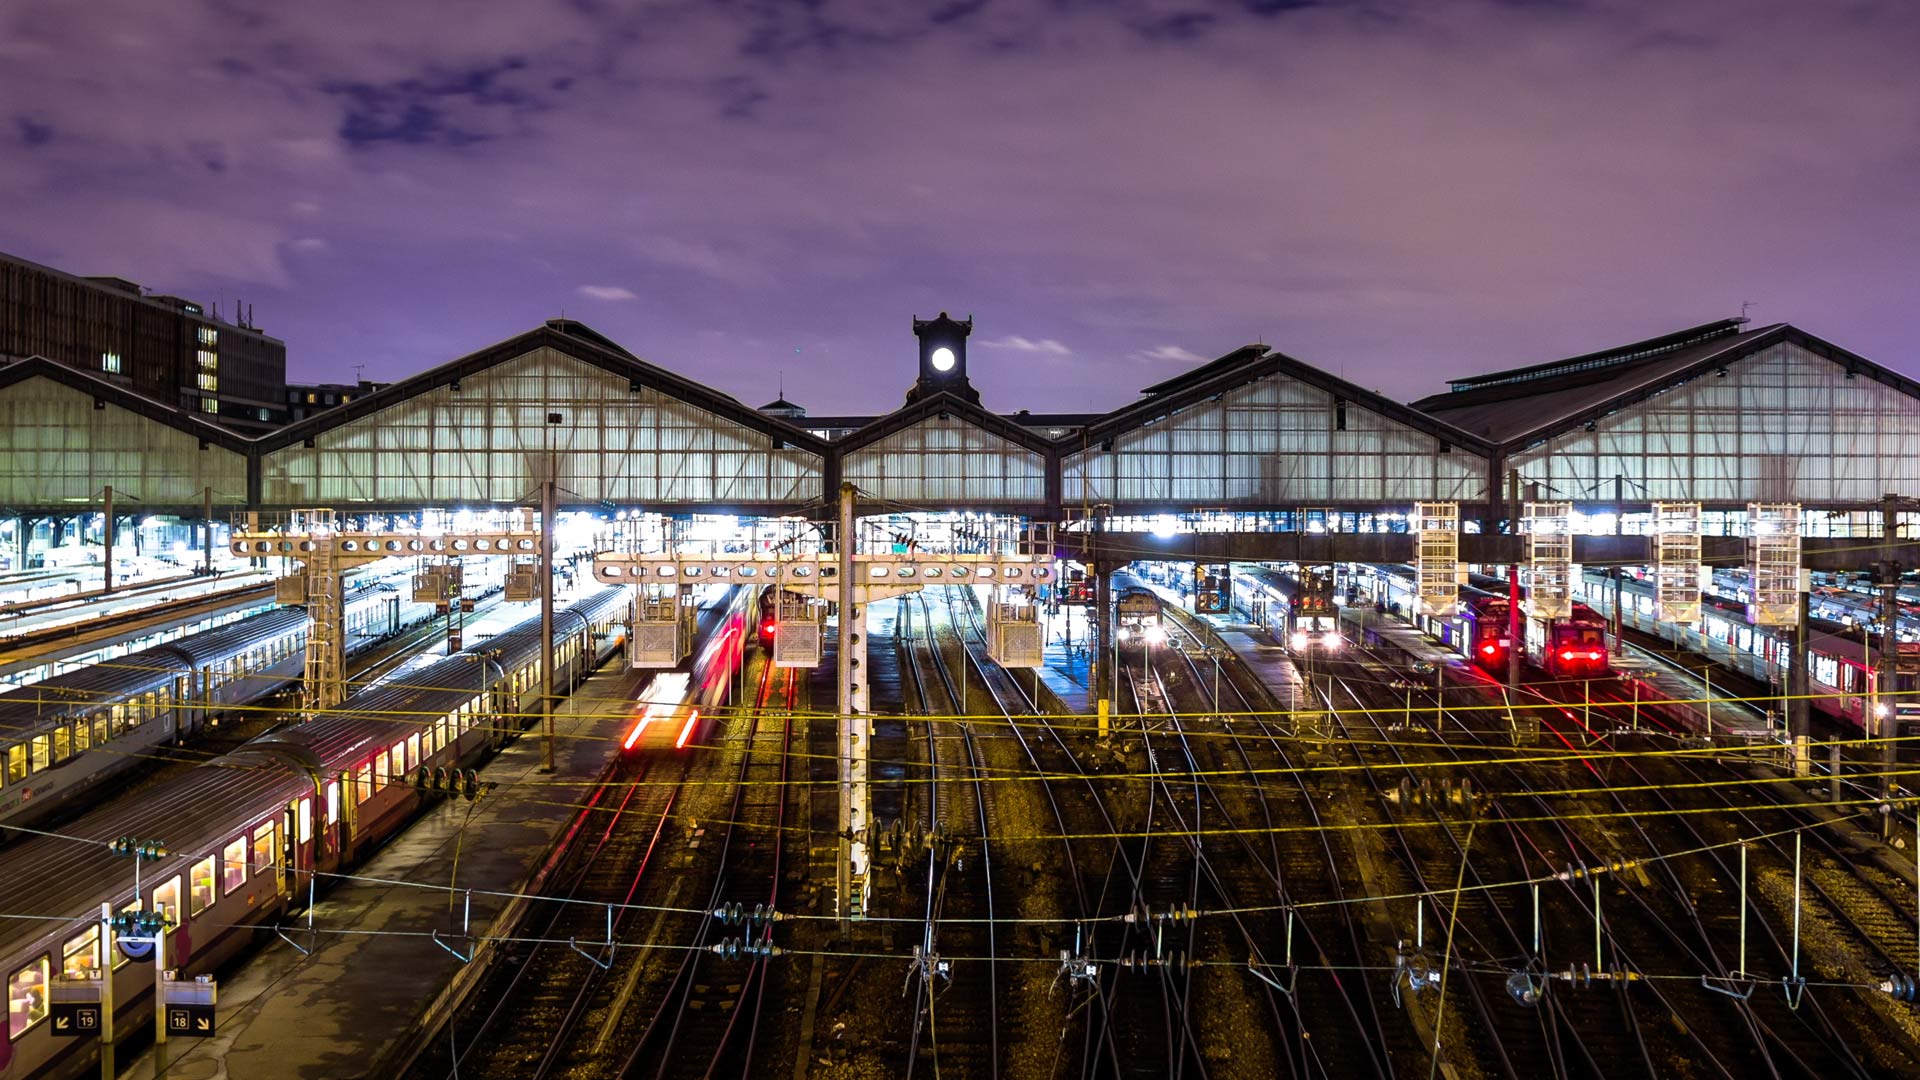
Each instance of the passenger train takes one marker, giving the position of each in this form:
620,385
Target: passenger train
247,833
1296,609
1137,617
1838,671
679,708
63,735
1574,647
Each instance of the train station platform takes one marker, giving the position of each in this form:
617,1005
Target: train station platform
1066,668
1690,699
375,972
1368,627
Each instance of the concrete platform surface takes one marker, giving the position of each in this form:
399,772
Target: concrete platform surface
334,1014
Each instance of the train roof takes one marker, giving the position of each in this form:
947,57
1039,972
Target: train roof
71,873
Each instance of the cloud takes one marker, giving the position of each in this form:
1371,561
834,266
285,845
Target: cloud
606,292
1171,354
1414,189
1016,343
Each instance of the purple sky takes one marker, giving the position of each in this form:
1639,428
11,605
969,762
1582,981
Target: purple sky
1394,190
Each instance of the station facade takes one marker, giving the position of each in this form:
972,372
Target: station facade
1721,414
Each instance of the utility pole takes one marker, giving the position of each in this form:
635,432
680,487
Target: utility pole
206,531
106,537
546,617
1514,643
853,733
1884,680
1105,673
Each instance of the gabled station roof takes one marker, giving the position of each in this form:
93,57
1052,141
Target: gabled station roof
1520,407
114,394
943,404
569,338
1247,364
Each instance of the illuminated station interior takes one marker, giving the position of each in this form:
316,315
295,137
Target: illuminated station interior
548,713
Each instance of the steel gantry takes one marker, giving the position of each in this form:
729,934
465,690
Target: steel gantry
814,563
326,548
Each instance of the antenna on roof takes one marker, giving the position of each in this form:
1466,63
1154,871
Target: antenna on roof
1745,305
358,370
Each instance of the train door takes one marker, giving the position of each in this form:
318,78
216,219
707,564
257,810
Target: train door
181,708
295,821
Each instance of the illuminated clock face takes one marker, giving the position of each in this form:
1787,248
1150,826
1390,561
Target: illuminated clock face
942,359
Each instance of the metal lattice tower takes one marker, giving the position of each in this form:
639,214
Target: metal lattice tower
1676,561
1549,560
1437,557
314,539
1773,558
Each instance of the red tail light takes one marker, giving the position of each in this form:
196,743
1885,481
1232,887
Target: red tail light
1566,654
766,628
1489,649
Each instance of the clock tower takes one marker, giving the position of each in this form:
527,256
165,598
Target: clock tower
943,358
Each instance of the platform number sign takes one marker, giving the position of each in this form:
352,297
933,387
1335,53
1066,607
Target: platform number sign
190,1020
75,1019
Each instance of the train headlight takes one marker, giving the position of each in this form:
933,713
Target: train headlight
1330,640
1299,640
1121,634
1155,635
1880,710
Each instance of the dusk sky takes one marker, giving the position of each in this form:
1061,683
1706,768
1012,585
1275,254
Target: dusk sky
1393,190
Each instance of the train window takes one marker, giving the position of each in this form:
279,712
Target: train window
62,742
166,900
264,854
365,782
42,748
81,953
306,820
27,998
82,736
233,865
413,752
397,763
333,802
200,886
16,763
101,730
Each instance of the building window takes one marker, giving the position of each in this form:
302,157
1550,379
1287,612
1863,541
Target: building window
110,363
209,360
210,405
209,381
209,337
264,415
313,399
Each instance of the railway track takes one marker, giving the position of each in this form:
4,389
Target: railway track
958,1015
619,960
1641,930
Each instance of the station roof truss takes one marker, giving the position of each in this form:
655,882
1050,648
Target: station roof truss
1257,429
559,400
66,434
1720,414
1717,414
945,452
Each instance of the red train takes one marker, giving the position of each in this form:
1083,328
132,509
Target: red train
1572,648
